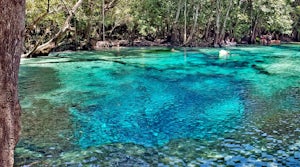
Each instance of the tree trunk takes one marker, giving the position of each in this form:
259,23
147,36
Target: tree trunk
174,28
12,30
217,31
194,25
253,35
207,29
178,11
88,28
222,35
184,34
46,48
103,19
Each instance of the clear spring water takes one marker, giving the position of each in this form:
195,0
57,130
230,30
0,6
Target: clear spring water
154,107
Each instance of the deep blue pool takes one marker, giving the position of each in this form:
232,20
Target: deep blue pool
154,107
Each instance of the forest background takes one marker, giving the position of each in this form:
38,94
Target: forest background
57,25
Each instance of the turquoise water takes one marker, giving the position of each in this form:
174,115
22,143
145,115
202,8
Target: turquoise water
154,107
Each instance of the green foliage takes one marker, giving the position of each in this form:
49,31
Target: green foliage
37,8
274,15
149,16
157,18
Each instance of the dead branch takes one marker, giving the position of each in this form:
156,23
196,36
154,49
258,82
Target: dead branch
46,48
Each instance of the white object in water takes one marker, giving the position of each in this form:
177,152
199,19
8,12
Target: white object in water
223,53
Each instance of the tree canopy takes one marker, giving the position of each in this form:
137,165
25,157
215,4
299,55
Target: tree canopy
178,22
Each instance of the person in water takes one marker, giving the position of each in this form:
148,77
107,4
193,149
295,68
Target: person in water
224,53
174,50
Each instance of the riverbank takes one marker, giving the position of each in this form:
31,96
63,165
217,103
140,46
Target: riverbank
102,45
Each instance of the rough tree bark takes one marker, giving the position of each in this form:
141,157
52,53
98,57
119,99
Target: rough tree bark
12,29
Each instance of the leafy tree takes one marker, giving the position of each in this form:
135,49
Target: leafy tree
295,14
181,22
271,16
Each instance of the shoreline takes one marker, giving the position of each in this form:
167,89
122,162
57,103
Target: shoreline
141,44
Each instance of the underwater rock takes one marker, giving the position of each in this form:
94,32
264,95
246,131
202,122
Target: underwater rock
297,155
260,70
248,147
282,153
120,159
264,135
144,109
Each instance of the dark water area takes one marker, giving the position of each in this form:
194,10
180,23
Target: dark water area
154,107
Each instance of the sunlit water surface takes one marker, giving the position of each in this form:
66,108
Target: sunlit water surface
154,107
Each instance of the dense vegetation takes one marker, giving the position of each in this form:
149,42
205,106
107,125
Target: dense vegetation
79,24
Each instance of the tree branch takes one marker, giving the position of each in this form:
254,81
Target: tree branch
45,48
